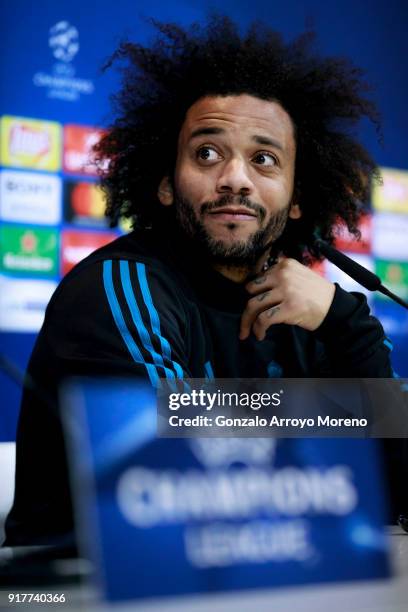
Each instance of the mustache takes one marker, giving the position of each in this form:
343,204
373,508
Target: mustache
229,199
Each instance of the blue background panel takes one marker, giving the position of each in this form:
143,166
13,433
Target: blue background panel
373,34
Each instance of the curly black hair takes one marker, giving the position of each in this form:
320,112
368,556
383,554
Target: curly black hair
326,99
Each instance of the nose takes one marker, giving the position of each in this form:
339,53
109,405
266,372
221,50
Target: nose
234,178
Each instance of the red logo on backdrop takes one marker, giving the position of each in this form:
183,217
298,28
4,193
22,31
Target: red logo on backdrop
84,203
78,157
347,242
319,267
76,245
29,242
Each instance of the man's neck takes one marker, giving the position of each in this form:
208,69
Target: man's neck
237,275
241,274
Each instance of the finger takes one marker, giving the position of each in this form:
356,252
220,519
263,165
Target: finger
267,318
255,306
267,280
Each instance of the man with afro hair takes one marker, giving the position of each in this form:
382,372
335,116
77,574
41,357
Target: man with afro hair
230,153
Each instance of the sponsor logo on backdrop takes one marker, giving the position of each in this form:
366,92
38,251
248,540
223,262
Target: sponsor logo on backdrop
61,81
30,197
30,143
76,245
23,303
78,143
390,233
125,225
29,250
84,204
392,195
335,275
319,267
345,241
394,275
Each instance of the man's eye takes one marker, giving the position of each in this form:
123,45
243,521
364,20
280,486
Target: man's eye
265,159
207,154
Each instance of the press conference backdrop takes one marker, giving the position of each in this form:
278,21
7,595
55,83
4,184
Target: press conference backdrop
55,104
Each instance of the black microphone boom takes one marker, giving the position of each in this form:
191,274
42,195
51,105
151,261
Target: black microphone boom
364,277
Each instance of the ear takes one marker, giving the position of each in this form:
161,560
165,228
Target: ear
165,192
295,211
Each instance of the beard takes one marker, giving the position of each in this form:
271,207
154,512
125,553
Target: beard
242,253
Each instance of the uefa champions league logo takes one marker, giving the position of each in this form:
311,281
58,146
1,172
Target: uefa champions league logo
224,452
61,82
64,41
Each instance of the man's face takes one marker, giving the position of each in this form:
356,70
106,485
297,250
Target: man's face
234,175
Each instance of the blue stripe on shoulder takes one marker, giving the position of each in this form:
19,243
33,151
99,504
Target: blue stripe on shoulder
138,321
121,324
155,320
404,385
388,344
208,370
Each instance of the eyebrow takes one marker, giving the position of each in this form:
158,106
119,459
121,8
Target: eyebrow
205,131
262,140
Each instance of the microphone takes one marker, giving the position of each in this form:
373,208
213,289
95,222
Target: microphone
364,277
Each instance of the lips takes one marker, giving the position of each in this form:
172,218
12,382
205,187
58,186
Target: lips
233,212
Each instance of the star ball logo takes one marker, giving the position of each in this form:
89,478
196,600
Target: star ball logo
64,41
61,82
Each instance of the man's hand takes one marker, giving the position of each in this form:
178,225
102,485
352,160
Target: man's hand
287,293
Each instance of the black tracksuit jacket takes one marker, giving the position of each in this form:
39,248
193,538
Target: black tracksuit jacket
148,306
